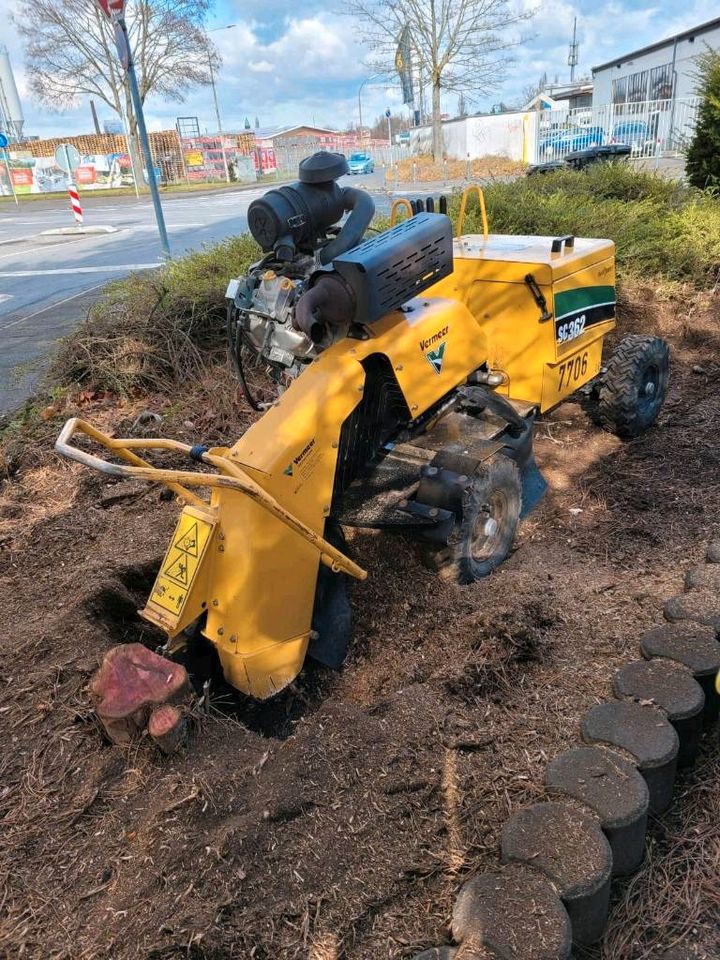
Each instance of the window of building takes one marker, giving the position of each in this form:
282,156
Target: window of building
661,83
637,87
619,90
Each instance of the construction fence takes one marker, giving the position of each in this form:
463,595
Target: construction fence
106,161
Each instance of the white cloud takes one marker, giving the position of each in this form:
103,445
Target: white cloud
288,63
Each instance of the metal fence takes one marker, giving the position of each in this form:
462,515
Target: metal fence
652,128
288,156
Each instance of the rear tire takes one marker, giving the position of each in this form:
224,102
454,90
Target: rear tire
484,534
634,385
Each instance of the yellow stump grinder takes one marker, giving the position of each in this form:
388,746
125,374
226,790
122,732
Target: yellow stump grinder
411,366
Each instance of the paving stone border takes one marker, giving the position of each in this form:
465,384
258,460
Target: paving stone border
558,856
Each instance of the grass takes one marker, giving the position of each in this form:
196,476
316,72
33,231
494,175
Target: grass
423,169
661,228
153,331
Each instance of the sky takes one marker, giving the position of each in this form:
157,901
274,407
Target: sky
290,62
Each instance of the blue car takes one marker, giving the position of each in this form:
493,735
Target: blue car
569,141
361,163
635,133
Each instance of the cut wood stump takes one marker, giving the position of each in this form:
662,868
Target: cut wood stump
167,727
129,684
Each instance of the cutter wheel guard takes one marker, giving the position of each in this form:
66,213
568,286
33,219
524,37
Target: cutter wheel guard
410,368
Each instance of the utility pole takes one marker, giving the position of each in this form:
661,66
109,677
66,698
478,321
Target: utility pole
573,54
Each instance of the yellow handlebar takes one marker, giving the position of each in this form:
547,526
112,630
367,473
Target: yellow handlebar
463,205
400,202
232,477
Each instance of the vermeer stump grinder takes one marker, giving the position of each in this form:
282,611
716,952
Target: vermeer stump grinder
411,368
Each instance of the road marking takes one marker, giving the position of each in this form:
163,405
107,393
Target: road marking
119,268
57,303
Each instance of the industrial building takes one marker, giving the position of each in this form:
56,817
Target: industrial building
661,71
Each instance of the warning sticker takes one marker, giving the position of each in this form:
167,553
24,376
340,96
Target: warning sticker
181,563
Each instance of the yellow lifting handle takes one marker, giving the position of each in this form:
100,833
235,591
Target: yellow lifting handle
473,188
400,202
231,477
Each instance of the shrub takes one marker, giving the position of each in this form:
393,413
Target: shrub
153,330
661,227
703,156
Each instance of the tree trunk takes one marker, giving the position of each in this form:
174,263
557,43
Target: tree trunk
438,149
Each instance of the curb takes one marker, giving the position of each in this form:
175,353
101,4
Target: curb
559,855
76,231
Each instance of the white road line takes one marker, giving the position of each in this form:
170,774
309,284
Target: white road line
57,303
119,268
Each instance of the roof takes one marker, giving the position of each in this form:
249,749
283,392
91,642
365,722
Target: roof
267,133
668,41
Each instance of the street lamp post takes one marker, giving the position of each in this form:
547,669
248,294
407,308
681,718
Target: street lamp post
366,80
229,26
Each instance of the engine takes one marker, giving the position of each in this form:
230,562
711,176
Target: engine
297,228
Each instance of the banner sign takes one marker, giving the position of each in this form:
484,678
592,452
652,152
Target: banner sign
403,64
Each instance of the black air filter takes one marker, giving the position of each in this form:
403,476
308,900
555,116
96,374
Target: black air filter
397,265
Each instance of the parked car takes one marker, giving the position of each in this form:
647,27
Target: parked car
361,163
579,159
635,134
568,141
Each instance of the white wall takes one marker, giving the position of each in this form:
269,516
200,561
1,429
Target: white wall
685,54
511,135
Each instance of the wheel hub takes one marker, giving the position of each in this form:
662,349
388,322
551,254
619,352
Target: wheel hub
491,527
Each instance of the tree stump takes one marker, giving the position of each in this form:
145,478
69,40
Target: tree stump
129,684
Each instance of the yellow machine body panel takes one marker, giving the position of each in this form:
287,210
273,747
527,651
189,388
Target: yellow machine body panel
533,353
259,576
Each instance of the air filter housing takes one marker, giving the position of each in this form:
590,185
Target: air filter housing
392,268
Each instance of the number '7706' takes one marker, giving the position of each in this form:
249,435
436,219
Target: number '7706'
572,370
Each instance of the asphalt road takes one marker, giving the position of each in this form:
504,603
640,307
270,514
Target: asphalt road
48,283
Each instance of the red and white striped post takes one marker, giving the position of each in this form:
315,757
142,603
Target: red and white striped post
75,203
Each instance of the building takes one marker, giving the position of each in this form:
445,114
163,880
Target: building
661,71
298,134
563,96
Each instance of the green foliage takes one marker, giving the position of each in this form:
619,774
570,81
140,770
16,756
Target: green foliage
703,156
661,227
152,331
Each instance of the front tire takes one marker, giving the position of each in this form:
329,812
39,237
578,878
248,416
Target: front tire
485,531
634,385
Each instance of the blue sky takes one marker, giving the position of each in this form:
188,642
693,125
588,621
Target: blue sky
290,62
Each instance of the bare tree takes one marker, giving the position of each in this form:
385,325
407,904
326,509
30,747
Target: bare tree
70,52
461,45
533,89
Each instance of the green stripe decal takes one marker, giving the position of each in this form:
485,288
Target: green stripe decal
582,298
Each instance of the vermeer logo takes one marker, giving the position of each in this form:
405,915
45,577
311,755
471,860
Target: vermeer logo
436,357
435,338
288,471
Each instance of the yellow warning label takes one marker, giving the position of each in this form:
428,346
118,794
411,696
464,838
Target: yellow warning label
181,563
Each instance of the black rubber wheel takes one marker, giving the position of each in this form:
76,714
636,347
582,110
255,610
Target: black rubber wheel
634,385
485,531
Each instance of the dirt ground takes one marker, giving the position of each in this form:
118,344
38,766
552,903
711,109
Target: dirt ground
339,821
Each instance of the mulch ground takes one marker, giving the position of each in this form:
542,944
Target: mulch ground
339,820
